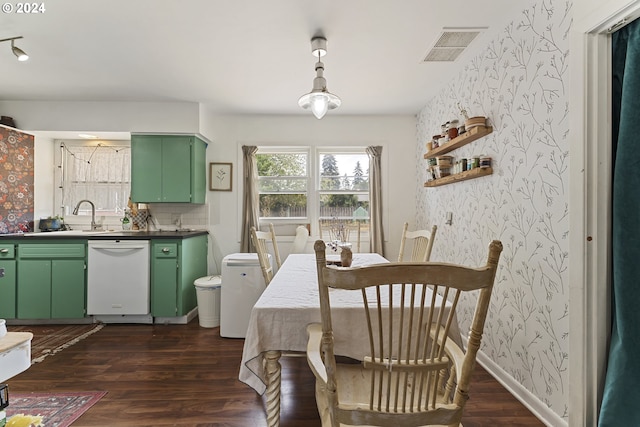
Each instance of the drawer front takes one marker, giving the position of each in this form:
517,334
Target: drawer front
165,250
51,250
7,251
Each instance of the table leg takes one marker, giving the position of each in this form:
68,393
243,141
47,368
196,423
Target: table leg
273,370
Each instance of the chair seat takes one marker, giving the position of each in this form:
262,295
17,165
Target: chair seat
353,384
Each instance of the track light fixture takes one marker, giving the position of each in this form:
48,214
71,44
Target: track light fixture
19,53
319,100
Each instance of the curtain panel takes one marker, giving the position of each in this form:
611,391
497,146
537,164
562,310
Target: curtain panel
250,202
100,173
621,392
375,199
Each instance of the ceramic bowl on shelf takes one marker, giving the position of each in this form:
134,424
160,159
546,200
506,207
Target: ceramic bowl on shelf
472,122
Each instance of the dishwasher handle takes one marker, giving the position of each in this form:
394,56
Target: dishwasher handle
118,246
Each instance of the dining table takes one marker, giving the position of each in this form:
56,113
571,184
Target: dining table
279,319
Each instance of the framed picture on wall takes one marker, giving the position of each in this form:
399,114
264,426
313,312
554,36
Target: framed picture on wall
220,176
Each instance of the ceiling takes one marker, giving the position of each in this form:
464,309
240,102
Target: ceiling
240,56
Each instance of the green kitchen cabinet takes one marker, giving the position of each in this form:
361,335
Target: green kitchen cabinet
7,281
164,279
175,265
168,168
68,286
51,280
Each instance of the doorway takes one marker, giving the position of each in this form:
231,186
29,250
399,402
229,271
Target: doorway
590,201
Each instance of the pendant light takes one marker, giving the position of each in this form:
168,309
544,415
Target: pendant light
319,100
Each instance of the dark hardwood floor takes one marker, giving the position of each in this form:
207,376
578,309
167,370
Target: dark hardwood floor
185,375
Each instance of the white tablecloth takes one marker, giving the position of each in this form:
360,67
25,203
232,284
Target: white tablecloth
280,317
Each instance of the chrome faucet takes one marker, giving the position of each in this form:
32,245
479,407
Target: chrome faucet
93,212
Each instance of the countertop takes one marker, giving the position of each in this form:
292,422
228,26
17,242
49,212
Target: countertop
103,235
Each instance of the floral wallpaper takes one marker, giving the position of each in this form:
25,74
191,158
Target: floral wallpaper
16,181
519,81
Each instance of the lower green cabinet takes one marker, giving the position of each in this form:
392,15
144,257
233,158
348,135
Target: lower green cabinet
164,279
7,280
47,280
7,289
175,265
51,281
68,288
34,289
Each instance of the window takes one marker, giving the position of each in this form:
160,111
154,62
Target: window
336,187
343,185
283,182
99,172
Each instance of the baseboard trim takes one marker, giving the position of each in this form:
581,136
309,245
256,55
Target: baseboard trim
179,320
528,399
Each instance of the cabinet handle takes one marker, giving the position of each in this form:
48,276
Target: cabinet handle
165,250
4,251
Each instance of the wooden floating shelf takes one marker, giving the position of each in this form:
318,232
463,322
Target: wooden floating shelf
460,141
462,176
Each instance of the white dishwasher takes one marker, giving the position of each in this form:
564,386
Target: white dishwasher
118,281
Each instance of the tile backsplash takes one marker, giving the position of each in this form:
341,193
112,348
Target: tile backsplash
188,215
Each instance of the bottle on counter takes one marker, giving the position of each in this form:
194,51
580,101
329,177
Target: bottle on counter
126,224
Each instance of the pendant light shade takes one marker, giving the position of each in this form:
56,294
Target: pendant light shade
19,53
319,100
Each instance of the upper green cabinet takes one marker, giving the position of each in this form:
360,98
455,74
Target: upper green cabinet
168,168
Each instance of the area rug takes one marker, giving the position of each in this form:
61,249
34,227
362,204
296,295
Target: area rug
56,409
51,339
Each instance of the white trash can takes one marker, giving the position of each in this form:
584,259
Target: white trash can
208,295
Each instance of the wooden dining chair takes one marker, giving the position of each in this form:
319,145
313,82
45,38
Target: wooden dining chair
413,374
260,239
422,241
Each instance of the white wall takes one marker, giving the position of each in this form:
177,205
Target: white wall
395,133
104,116
43,181
591,10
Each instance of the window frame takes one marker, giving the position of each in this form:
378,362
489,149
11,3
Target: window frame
60,157
288,150
354,150
314,193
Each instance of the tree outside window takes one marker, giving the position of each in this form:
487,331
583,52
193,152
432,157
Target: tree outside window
344,186
282,185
